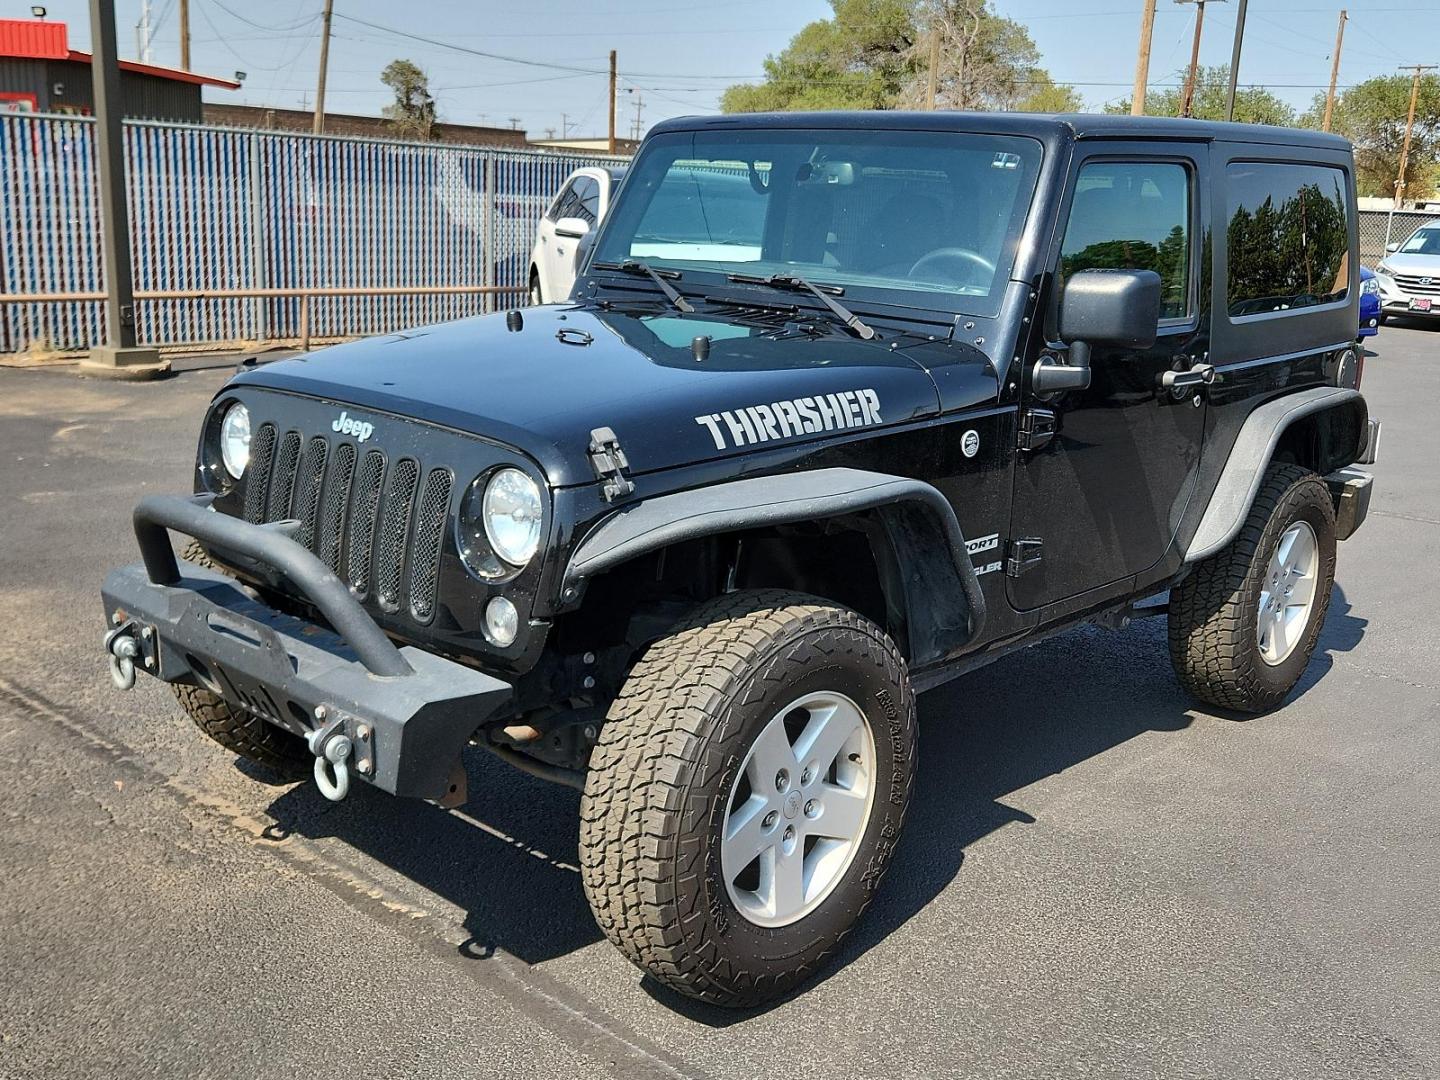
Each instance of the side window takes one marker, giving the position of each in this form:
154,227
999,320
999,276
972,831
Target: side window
1133,215
1287,238
564,203
587,190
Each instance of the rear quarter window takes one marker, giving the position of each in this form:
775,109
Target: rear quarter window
1287,237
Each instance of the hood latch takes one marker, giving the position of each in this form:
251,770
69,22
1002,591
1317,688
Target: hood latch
609,460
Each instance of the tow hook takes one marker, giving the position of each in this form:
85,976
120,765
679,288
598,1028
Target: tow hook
123,649
332,749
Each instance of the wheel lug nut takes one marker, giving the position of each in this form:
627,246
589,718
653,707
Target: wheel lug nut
782,780
807,776
768,821
789,833
812,808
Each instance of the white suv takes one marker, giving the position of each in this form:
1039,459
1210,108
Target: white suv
1409,275
581,204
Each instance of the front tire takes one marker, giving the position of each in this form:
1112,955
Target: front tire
535,298
1244,624
239,732
747,792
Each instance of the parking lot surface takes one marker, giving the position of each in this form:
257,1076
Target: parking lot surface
1098,877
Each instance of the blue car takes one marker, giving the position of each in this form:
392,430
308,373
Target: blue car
1369,303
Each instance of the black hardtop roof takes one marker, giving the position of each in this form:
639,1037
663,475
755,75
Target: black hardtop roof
1048,127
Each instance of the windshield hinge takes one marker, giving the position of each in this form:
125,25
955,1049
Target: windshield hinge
1037,427
609,460
1023,554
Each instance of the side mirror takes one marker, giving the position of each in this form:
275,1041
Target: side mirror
572,228
1101,307
1390,249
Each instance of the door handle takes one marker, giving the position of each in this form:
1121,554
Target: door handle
1199,375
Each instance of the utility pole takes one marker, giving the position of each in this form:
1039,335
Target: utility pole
142,33
119,356
637,127
184,35
612,103
1235,60
932,86
324,67
1142,59
1187,96
1419,70
1334,73
564,125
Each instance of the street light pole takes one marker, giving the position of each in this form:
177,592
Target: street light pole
119,356
1235,60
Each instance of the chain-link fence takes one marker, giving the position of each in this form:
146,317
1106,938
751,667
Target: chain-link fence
262,236
1377,230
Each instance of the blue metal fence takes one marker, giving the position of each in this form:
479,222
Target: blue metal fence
241,236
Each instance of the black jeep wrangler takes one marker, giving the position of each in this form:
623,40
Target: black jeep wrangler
841,407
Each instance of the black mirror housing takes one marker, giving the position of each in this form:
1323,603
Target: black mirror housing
1111,307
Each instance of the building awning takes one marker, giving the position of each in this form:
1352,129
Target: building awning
35,40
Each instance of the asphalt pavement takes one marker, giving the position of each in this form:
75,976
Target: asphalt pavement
1098,877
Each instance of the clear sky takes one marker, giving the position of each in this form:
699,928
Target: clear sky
678,55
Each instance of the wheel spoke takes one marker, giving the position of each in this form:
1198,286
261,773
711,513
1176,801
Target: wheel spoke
844,814
745,836
829,728
772,753
785,888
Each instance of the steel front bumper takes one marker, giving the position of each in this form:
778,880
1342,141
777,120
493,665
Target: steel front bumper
396,718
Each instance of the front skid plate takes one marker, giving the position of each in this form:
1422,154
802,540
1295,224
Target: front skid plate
208,632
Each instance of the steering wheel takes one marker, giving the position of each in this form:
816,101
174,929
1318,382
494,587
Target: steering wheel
954,257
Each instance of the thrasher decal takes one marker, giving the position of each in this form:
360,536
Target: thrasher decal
752,424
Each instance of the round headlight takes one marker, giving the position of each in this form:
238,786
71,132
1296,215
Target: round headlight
235,439
512,512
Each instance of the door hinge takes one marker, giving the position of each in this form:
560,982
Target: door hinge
1037,427
608,460
1022,555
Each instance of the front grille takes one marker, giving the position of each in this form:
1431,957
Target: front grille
1419,284
395,526
368,519
430,522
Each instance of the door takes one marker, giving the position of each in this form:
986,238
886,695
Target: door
1104,493
579,199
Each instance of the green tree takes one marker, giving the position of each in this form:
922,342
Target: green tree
1372,114
413,114
1253,104
875,54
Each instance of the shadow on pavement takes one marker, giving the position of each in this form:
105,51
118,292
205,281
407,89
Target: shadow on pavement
508,858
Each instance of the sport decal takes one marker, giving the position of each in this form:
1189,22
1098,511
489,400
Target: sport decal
799,416
979,546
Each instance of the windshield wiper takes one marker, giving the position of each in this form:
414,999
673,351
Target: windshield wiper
631,266
798,284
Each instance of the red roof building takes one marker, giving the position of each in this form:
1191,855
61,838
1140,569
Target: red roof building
39,72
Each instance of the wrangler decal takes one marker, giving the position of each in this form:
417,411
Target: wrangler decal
753,424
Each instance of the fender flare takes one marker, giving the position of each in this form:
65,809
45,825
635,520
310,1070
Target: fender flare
1245,467
944,607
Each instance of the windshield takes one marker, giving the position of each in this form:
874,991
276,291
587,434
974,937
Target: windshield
919,218
1424,242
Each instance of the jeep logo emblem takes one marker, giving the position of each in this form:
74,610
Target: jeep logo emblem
347,426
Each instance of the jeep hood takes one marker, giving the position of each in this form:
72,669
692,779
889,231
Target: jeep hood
544,387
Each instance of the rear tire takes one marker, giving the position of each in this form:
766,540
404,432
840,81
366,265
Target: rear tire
723,875
1240,636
